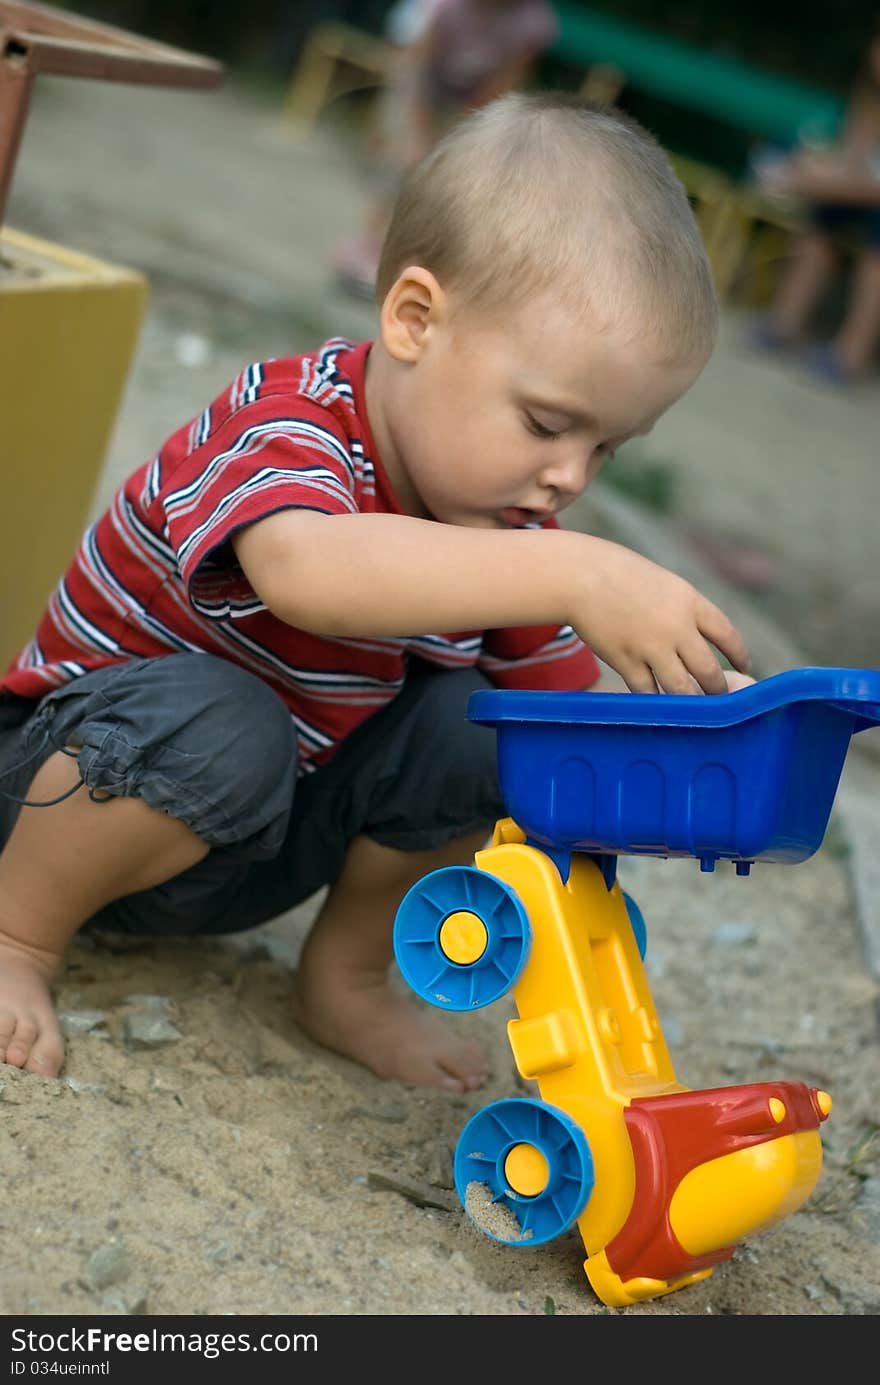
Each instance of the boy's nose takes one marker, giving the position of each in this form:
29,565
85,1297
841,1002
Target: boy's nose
569,474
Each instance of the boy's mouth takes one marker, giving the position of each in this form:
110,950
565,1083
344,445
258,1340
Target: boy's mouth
516,517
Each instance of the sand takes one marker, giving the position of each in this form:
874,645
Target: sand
199,1155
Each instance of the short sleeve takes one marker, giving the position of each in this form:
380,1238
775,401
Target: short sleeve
279,453
539,658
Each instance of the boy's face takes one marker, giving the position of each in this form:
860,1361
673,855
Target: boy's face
496,424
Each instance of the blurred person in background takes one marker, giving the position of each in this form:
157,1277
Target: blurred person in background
840,189
453,56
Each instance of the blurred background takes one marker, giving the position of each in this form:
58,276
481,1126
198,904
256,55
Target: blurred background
254,208
801,39
806,42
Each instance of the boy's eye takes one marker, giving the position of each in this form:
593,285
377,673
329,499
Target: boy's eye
540,429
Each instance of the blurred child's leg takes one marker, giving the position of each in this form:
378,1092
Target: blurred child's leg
807,278
166,765
859,334
355,258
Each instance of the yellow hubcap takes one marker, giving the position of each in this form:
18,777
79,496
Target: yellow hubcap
463,937
526,1170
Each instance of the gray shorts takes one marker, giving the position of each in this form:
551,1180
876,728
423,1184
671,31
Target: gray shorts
213,746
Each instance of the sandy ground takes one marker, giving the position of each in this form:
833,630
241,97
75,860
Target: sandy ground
217,1162
199,1155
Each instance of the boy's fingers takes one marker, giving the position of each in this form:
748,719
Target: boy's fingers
638,677
715,626
728,640
677,676
711,682
707,675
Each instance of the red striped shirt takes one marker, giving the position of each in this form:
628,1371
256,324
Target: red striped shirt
156,573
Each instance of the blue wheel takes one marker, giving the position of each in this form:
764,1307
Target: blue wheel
523,1171
461,937
638,924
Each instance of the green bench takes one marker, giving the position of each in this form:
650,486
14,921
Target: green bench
757,102
745,235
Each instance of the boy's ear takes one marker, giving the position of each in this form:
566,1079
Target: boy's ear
413,305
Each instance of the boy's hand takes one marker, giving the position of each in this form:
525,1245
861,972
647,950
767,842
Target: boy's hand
612,682
652,626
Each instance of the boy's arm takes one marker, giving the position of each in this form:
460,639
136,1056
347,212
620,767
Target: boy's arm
371,575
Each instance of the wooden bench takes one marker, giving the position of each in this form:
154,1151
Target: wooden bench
336,59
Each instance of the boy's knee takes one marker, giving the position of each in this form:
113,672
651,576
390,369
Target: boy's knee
442,780
193,736
441,727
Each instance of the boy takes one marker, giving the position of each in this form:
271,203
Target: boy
248,664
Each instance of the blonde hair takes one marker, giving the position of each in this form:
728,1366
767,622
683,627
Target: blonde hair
543,190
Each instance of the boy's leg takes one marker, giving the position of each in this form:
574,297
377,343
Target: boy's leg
412,789
415,788
54,874
344,998
175,756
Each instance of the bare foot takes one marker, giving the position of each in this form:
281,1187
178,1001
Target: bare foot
30,1036
371,1023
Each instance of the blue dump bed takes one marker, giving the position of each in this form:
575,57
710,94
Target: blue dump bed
743,776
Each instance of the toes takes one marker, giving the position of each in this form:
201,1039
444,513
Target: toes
46,1058
447,1083
468,1082
474,1067
7,1029
18,1049
47,1050
37,1050
473,1082
464,1070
